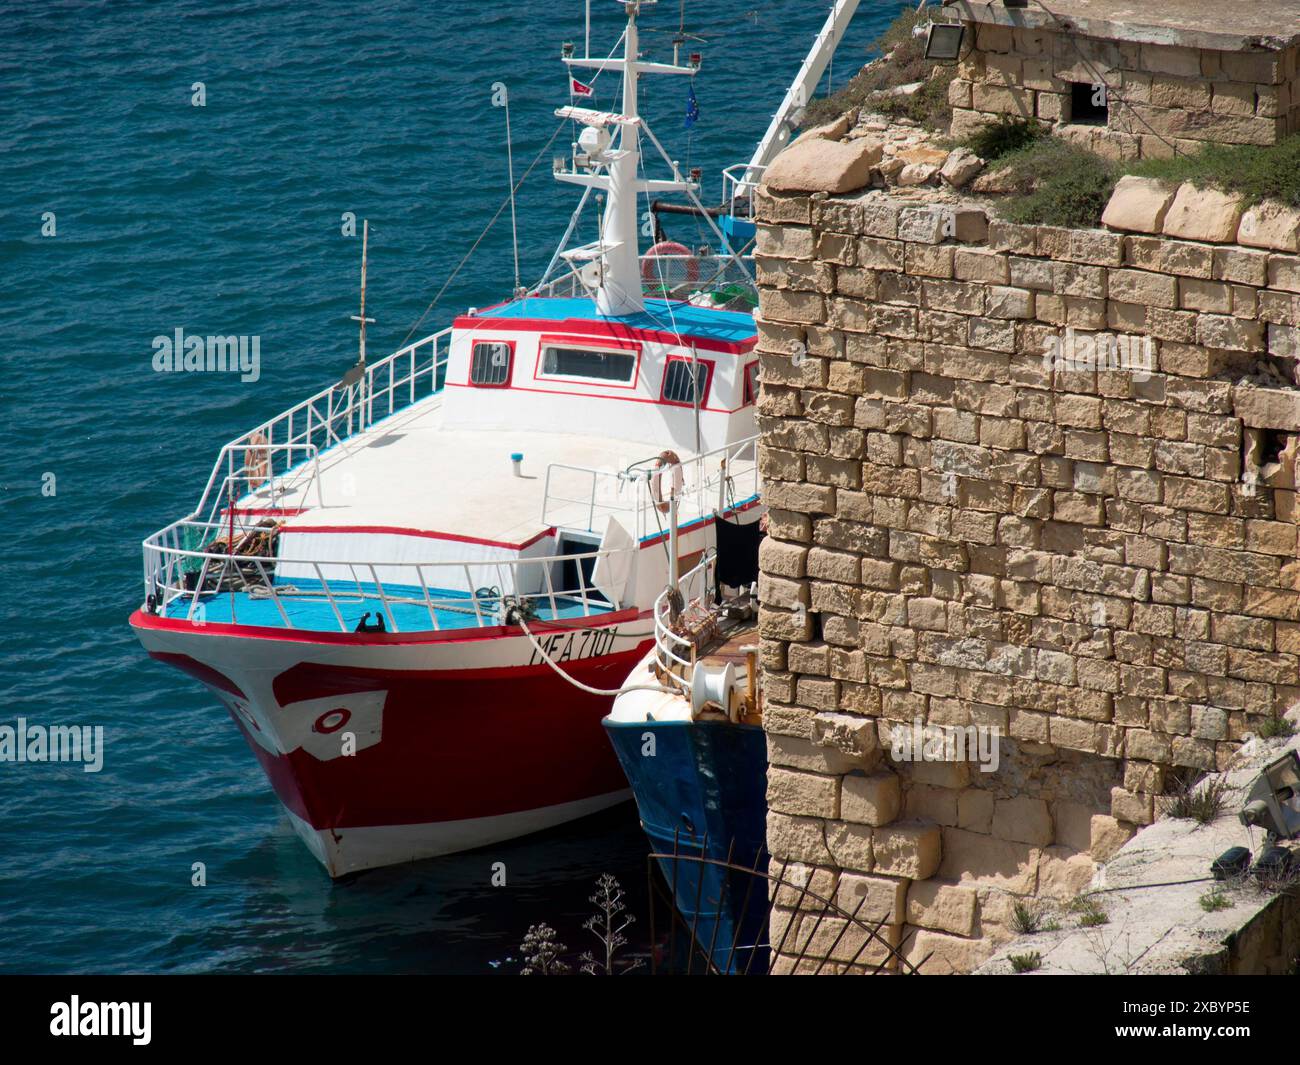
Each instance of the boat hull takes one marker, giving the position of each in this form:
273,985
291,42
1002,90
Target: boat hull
388,750
701,791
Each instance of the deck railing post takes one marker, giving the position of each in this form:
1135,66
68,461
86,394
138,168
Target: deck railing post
270,588
473,594
428,602
550,589
383,597
582,585
320,576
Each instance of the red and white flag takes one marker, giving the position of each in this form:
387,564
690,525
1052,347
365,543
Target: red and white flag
577,88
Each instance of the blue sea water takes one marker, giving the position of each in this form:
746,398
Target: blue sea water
226,219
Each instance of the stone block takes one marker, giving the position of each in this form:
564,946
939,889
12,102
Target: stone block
1108,835
970,856
942,907
1135,807
1138,204
1270,225
1267,408
960,167
813,164
802,794
850,845
798,839
1064,873
1204,214
912,850
1023,820
975,810
873,898
939,954
792,752
872,799
1073,825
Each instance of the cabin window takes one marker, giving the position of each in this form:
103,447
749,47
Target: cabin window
686,382
589,364
751,385
489,365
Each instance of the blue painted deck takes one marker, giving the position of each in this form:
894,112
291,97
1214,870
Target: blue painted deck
705,323
453,610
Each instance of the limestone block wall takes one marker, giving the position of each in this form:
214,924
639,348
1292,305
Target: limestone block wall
1186,95
1100,564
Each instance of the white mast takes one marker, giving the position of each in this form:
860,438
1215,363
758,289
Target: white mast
620,290
614,168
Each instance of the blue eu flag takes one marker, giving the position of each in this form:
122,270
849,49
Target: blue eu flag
692,107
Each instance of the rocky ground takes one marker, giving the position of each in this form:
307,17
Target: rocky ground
1154,907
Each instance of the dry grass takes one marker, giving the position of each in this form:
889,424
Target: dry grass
1195,800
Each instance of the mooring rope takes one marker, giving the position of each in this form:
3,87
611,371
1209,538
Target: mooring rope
515,616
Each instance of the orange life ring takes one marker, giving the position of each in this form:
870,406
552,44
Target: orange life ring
650,272
257,461
666,460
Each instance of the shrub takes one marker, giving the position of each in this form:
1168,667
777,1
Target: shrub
1217,899
928,105
1003,137
1275,727
1026,918
1060,183
1025,963
1089,911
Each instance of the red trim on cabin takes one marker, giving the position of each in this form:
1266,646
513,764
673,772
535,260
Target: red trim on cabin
141,620
749,392
708,382
584,344
510,363
428,534
601,329
598,395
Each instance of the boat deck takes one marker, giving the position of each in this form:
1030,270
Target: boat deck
410,472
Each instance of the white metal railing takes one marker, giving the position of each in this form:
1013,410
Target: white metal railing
711,482
192,576
288,446
739,182
675,653
670,276
285,450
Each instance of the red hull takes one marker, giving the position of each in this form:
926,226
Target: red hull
384,752
481,743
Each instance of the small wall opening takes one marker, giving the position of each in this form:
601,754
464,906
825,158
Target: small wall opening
1088,105
1264,456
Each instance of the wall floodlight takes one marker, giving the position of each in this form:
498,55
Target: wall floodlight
944,40
1274,800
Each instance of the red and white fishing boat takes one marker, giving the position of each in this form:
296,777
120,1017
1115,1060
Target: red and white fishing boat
396,587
